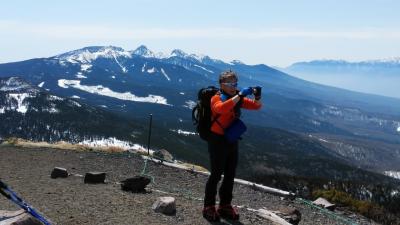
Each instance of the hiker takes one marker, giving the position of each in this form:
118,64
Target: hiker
223,150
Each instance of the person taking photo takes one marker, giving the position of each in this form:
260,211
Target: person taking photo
226,130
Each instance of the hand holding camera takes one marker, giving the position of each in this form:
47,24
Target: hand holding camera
257,92
251,90
246,91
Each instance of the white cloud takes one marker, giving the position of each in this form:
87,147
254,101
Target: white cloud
117,33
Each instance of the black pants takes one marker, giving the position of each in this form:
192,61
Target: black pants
223,159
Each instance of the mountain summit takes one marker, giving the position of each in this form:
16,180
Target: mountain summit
89,54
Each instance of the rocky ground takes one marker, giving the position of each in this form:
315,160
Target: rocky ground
70,201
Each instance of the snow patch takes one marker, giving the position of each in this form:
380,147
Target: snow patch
41,84
53,97
189,104
144,67
113,77
182,93
74,103
323,140
80,75
165,74
14,84
182,132
20,97
394,174
62,83
2,110
85,67
113,142
124,70
52,110
203,68
152,70
75,96
105,91
398,129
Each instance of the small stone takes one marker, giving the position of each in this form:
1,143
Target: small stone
59,172
95,178
165,205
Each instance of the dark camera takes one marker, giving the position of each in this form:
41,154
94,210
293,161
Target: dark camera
257,91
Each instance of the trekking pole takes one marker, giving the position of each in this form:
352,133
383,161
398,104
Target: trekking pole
148,140
12,196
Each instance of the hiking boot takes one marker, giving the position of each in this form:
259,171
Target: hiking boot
210,213
228,212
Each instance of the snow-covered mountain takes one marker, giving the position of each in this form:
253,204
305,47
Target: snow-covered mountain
30,112
17,96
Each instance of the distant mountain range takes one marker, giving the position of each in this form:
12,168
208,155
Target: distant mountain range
334,123
373,76
343,64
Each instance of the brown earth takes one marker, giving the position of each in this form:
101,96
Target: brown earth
70,201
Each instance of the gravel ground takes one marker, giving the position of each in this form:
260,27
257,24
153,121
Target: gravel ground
70,201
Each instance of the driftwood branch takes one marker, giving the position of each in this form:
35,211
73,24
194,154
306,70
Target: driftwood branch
266,214
239,181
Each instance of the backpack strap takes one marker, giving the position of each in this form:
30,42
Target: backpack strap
215,120
195,121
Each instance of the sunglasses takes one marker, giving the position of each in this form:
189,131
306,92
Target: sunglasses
231,84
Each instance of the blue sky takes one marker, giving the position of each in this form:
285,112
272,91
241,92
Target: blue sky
275,33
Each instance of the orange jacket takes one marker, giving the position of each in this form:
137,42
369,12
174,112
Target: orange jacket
226,112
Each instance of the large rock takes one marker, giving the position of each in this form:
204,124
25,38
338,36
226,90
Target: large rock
324,203
135,184
95,178
17,218
165,205
59,172
163,155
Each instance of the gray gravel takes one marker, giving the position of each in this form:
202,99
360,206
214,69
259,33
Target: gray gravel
70,201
